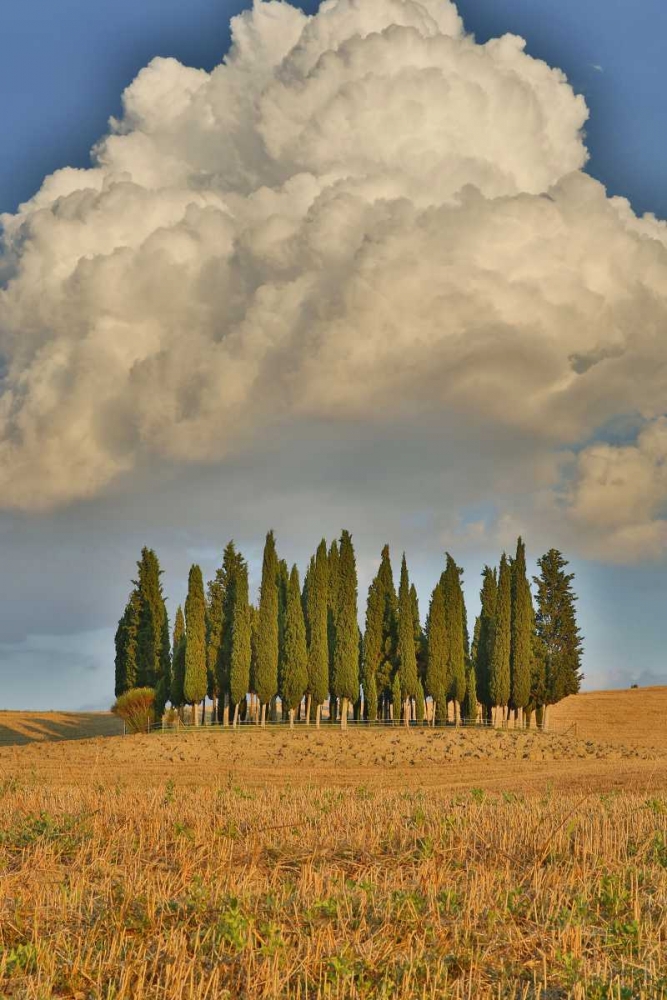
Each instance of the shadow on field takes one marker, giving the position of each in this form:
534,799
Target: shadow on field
21,728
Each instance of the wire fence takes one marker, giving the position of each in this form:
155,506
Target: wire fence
250,725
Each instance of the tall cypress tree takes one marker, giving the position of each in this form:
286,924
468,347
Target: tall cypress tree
239,668
221,605
266,679
318,649
381,633
523,627
407,657
295,652
420,638
214,630
484,637
153,645
333,569
456,633
437,679
282,583
470,708
346,634
177,697
126,645
196,680
557,629
499,679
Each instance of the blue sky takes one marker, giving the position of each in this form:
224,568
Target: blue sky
63,69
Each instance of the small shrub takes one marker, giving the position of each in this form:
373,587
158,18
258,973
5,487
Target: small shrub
136,708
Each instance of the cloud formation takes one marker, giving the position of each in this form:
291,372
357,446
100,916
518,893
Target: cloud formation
362,216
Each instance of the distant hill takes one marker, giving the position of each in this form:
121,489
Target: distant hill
26,727
635,717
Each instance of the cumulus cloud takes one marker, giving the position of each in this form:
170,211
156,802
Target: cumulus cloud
358,215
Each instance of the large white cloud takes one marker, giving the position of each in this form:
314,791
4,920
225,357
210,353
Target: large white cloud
358,215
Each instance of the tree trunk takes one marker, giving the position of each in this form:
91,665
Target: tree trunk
291,718
318,715
263,720
406,712
309,701
343,713
545,723
236,716
433,707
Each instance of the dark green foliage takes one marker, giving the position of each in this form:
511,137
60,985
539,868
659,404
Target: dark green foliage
239,670
195,681
420,638
469,707
371,707
483,641
126,645
316,614
523,627
153,645
333,574
346,629
221,608
420,704
177,696
397,697
455,630
282,583
407,658
437,680
556,626
381,634
266,674
499,680
294,679
136,708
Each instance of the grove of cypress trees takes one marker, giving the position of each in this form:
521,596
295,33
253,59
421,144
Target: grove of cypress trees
407,658
556,626
456,634
195,680
294,680
499,678
266,673
483,642
177,695
437,680
317,616
126,645
239,668
523,627
346,633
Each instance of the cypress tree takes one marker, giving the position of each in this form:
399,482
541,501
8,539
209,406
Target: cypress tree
381,632
470,701
222,603
126,645
437,680
153,652
523,627
420,638
346,634
371,696
483,644
556,625
499,679
195,679
317,618
214,628
396,698
295,653
407,657
266,674
333,574
282,583
239,670
456,633
420,704
177,696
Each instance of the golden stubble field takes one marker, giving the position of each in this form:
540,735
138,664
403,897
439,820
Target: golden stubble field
313,864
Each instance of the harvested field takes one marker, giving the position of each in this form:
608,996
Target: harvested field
330,893
25,727
634,718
